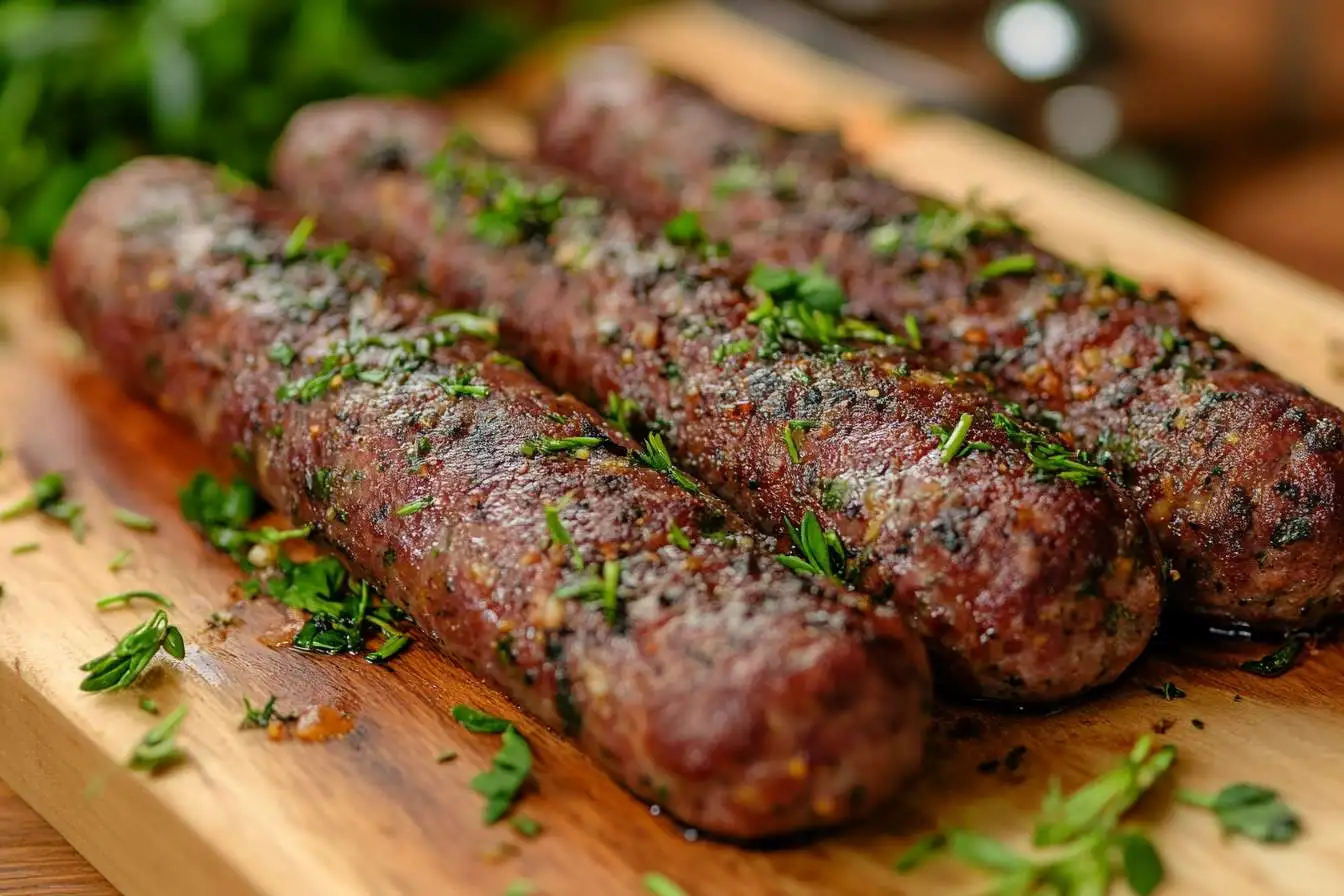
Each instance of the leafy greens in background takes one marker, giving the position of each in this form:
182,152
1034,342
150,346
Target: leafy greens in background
85,86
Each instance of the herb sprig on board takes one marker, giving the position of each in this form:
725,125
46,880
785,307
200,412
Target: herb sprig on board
158,749
1249,810
510,768
121,666
47,496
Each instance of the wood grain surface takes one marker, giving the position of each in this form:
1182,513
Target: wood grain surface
35,859
373,813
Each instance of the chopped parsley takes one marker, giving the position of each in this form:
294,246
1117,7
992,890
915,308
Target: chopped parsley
132,520
885,239
1049,458
460,385
684,230
149,706
739,176
261,716
525,825
1167,690
787,434
222,514
726,350
912,334
478,722
1080,836
509,769
1249,810
952,443
27,547
655,457
805,306
601,589
122,665
158,749
661,885
282,354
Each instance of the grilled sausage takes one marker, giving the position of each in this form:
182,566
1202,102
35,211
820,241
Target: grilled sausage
697,669
1239,472
1024,588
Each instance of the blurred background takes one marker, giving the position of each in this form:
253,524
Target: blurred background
1228,111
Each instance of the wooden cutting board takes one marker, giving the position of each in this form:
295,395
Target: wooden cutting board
373,813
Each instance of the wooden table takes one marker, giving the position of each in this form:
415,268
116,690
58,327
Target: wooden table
36,859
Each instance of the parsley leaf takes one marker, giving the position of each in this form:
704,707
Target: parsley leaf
1007,265
1249,810
478,722
504,782
822,553
1050,458
662,885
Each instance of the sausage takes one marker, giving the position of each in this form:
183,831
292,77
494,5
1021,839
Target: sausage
1239,472
699,671
1024,588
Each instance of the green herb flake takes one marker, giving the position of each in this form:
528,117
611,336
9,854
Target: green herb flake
952,443
124,599
739,176
509,771
575,445
391,646
281,354
132,520
921,851
27,547
1008,265
662,885
655,456
912,334
298,237
525,825
413,507
726,350
257,716
1278,662
677,537
478,722
788,435
1249,810
885,239
685,231
122,665
149,706
158,749
445,756
1167,690
520,887
1048,457
621,412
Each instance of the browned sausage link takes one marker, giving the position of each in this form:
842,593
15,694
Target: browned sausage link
699,671
1240,473
1025,589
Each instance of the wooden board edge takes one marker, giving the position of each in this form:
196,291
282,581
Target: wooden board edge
38,761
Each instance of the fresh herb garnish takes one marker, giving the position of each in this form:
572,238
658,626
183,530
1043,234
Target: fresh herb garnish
656,458
124,599
460,385
1167,690
445,756
478,722
298,238
727,350
1278,662
806,306
47,496
912,334
26,547
413,507
257,717
158,749
620,412
1024,263
684,230
149,706
662,885
392,645
509,770
677,537
787,434
132,520
525,825
952,443
122,665
1083,840
738,176
520,887
282,354
592,588
576,445
1049,457
1249,810
822,553
885,239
